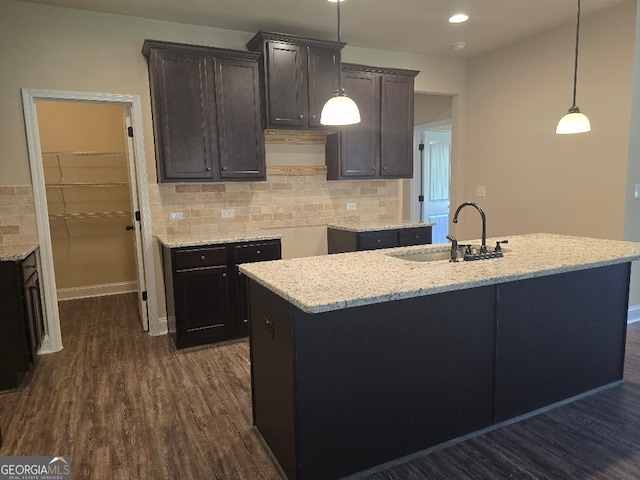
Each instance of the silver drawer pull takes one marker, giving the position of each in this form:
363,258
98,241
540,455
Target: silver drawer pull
257,252
203,258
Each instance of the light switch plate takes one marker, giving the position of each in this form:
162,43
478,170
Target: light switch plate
352,206
636,191
228,213
176,216
481,191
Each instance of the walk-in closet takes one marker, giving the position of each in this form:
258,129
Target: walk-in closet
86,171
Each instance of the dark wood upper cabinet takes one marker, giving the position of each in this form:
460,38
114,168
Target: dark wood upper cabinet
299,76
381,145
206,113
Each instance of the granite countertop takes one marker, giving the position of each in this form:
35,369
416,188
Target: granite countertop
175,241
333,282
13,253
374,226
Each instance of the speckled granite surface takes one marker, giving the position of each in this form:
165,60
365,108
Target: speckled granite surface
175,241
373,226
332,282
12,253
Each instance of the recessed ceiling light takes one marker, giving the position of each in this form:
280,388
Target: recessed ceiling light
459,18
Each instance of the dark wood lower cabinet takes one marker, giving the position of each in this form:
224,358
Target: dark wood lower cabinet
21,320
339,392
206,294
340,240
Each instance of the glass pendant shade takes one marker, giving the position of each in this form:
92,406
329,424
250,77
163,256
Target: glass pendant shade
340,110
573,122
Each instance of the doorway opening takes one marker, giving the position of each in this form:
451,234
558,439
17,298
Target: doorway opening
430,188
434,150
92,207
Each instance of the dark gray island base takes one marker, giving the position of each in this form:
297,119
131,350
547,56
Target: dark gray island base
342,391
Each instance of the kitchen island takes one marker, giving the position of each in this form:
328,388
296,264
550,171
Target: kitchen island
362,358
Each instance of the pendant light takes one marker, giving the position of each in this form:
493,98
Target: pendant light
339,109
574,121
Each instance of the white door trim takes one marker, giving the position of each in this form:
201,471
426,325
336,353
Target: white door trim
53,339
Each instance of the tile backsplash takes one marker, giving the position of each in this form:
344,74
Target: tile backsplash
17,215
281,201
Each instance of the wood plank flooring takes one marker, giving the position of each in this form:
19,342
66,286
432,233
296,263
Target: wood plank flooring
127,405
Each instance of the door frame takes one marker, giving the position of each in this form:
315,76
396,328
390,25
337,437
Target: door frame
53,339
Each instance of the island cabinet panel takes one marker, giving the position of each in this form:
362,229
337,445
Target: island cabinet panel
368,384
340,241
205,292
299,76
206,105
381,145
559,336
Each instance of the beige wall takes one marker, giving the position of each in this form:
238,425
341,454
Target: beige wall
537,181
431,108
87,251
632,205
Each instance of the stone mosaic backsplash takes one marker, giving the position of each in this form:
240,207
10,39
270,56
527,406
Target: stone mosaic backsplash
17,215
281,201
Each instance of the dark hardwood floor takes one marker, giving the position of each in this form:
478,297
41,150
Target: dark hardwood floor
127,405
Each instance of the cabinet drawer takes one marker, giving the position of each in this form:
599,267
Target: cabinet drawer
200,257
414,236
29,266
381,239
257,252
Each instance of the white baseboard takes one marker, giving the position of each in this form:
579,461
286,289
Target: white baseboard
96,290
634,314
161,329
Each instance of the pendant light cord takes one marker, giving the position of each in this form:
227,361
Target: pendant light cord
575,70
339,56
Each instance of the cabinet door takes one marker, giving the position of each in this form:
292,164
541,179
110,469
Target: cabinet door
321,65
396,126
249,253
360,147
240,132
202,303
33,316
184,122
285,102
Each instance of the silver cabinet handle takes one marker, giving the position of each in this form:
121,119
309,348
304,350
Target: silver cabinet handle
203,258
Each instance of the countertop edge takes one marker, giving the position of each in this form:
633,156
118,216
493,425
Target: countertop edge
19,252
191,241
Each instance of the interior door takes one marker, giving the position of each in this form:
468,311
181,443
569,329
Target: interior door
136,221
437,181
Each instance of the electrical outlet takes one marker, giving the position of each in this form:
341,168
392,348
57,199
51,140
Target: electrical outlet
176,216
636,191
481,191
228,213
352,206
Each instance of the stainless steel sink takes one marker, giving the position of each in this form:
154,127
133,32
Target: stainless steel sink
432,256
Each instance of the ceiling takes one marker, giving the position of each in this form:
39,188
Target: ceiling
416,26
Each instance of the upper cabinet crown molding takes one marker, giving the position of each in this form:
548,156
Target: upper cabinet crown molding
206,106
257,41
